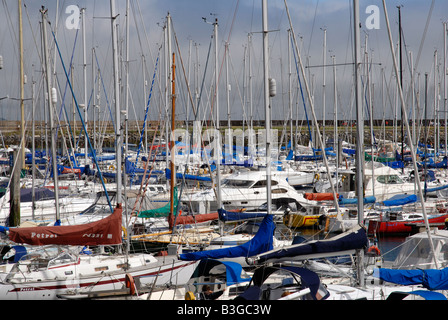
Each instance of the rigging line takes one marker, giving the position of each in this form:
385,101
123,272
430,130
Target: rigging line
32,32
303,98
66,85
312,27
82,122
183,69
146,38
104,89
144,121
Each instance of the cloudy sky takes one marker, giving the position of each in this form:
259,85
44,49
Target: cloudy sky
192,37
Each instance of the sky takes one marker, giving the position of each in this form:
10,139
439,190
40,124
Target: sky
192,39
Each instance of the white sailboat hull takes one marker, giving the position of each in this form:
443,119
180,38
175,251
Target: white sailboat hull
70,280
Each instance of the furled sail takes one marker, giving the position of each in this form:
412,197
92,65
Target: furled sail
261,242
431,279
106,231
353,239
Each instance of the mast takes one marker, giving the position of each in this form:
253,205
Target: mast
168,70
291,136
436,109
126,94
335,113
359,132
118,138
267,103
324,61
229,127
411,146
33,148
22,93
84,72
51,100
445,94
414,136
250,137
218,162
311,101
172,142
401,84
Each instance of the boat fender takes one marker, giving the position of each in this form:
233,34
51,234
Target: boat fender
129,281
189,296
374,249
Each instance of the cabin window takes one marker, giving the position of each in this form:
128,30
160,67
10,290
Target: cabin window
259,184
104,268
444,251
280,190
237,183
63,258
263,183
389,179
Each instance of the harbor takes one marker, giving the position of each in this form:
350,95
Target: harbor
229,155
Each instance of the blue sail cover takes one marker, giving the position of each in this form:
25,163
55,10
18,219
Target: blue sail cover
225,215
355,238
431,279
343,201
427,295
436,188
181,176
261,242
233,270
400,199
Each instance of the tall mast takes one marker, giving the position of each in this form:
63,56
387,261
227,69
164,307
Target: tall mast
267,104
218,162
84,72
51,99
324,61
359,130
172,153
126,94
401,83
445,74
118,138
251,106
229,132
22,93
291,136
411,146
311,101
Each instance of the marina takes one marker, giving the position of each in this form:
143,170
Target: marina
122,177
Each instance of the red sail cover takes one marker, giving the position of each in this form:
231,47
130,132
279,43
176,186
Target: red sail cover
103,232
